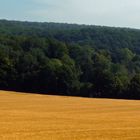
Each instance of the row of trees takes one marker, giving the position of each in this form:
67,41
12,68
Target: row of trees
46,65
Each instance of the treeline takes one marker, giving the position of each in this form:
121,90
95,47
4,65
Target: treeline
77,60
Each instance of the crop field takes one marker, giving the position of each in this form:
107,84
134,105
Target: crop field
43,117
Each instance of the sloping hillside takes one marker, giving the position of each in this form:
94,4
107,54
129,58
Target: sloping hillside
70,59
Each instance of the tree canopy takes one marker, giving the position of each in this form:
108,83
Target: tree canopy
70,59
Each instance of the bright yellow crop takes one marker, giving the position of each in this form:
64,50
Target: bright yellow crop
42,117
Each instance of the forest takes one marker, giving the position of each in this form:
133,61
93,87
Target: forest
70,59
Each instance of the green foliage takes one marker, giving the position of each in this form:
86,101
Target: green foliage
134,89
79,60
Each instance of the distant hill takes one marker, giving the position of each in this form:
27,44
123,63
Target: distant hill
97,36
70,59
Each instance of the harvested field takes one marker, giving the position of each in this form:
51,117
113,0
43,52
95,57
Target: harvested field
43,117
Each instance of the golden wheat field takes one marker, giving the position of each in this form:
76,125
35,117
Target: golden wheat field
42,117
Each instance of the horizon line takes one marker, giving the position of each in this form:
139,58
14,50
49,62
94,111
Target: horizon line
73,23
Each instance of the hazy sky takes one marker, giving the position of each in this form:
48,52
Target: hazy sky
124,13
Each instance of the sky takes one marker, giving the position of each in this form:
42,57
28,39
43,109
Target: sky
118,13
